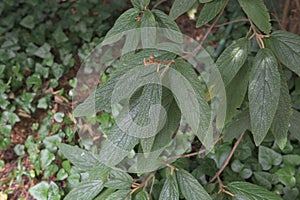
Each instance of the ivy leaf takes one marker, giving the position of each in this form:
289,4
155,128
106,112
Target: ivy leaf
170,28
119,180
60,36
209,11
148,31
295,124
170,189
27,22
127,21
87,190
191,100
264,92
179,7
79,157
236,91
286,47
46,158
286,176
142,195
244,190
281,121
140,4
232,59
268,157
120,195
190,187
40,191
257,11
265,179
43,51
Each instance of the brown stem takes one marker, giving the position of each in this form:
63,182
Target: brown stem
158,3
231,22
285,14
228,158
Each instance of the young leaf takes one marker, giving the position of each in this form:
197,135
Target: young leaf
79,157
232,59
87,190
257,11
244,190
268,157
281,121
190,187
142,195
140,4
236,91
179,7
148,32
209,11
286,47
264,92
170,189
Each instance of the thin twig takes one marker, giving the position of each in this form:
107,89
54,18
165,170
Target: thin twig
191,154
231,22
228,158
158,3
285,14
197,49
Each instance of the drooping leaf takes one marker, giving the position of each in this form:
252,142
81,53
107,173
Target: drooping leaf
190,187
209,11
119,180
148,30
191,100
170,28
263,93
244,190
295,124
268,157
257,11
281,121
286,47
236,91
87,190
232,59
179,7
140,4
170,189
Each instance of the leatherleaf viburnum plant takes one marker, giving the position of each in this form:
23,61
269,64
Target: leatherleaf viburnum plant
184,120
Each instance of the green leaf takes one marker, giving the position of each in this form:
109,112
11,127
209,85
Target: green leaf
127,21
142,195
40,191
236,91
179,7
87,190
257,11
264,92
245,191
209,11
232,59
120,195
119,180
59,36
79,157
53,192
191,102
43,51
140,4
291,159
268,157
286,47
295,124
61,175
148,32
46,158
170,189
281,121
265,179
205,1
190,187
104,194
170,28
286,176
28,22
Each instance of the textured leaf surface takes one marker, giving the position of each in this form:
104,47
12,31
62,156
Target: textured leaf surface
249,191
119,195
87,190
190,187
118,180
170,189
209,11
180,6
286,47
281,121
295,124
264,92
140,4
232,59
148,32
257,11
268,157
142,195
